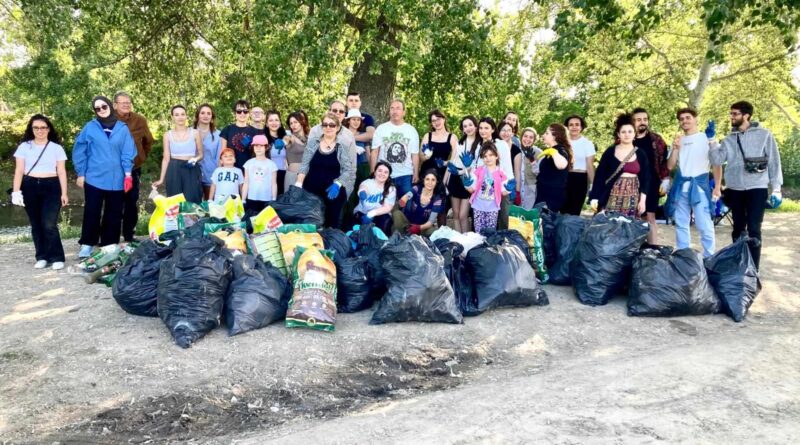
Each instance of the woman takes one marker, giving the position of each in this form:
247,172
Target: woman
581,174
40,185
419,208
205,122
487,132
276,134
506,132
438,146
513,118
622,175
328,170
183,149
459,196
103,158
530,168
554,163
376,198
298,137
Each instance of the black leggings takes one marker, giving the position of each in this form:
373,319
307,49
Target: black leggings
553,196
577,183
747,208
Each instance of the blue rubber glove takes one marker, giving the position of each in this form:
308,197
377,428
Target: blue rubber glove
467,159
511,185
366,220
512,195
333,191
467,180
775,200
362,195
711,129
279,145
246,140
439,162
452,169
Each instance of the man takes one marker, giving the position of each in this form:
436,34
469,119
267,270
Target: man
257,120
397,143
691,192
354,103
653,145
581,173
137,125
746,183
238,135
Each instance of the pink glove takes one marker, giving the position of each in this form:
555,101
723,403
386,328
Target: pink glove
128,184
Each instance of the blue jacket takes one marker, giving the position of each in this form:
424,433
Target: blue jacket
701,182
101,160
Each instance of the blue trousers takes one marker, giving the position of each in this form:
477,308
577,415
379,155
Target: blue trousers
702,220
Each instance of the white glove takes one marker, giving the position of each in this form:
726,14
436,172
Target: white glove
371,213
593,204
298,184
664,187
16,199
192,161
359,150
427,153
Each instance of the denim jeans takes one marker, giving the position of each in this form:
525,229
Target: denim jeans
702,220
402,184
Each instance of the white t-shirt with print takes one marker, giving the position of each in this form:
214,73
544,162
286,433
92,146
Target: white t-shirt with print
374,196
693,158
582,148
227,181
259,178
397,143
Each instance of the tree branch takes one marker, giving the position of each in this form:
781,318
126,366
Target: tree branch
785,112
752,68
670,67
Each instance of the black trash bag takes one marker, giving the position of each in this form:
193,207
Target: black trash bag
353,285
298,206
569,229
734,277
418,289
548,234
601,267
369,246
498,237
197,229
456,272
670,284
501,277
338,242
257,296
192,286
135,286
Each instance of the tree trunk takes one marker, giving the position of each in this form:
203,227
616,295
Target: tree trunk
376,90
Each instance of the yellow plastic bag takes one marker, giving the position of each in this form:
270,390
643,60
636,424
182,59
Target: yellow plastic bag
266,221
232,209
234,240
294,239
166,216
524,227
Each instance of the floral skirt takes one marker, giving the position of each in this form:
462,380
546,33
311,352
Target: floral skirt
624,197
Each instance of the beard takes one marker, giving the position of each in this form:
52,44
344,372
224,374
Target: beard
641,129
735,123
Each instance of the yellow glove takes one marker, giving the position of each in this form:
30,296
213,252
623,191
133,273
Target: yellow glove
548,152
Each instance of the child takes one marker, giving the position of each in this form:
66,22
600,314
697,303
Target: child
226,179
260,178
488,184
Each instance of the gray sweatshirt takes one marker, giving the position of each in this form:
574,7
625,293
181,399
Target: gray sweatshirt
756,142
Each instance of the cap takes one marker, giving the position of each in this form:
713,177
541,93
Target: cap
353,113
259,139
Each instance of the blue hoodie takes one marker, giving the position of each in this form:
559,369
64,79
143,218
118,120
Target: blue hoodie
101,159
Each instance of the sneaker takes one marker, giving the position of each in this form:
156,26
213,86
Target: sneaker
85,252
58,265
41,264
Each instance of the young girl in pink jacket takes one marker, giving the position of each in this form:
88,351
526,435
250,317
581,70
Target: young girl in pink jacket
488,186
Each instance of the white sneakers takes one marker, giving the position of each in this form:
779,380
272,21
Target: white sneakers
58,265
41,264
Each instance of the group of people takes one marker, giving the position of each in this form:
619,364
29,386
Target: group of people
387,175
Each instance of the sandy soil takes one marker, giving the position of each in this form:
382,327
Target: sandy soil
76,369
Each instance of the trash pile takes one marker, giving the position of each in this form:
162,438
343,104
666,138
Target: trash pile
205,265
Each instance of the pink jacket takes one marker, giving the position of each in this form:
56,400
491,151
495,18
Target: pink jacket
499,182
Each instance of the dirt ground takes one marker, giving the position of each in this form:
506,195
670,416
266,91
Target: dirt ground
76,369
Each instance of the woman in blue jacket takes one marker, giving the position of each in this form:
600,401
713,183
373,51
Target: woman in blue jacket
103,157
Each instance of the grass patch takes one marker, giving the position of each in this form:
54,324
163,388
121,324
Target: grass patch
787,206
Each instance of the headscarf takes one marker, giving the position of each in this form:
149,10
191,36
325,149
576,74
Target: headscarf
109,121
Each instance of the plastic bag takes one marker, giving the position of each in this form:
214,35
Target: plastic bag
191,213
418,289
512,237
456,272
257,296
548,223
734,277
313,303
352,278
569,229
231,209
602,263
336,241
135,286
191,288
166,216
501,277
531,220
299,206
368,245
669,284
266,220
292,236
268,247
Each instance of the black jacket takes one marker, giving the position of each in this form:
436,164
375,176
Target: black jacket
608,165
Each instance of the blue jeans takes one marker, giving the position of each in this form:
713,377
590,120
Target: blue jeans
402,184
702,219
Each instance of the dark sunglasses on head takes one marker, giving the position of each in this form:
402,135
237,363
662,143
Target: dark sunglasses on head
242,111
329,125
101,107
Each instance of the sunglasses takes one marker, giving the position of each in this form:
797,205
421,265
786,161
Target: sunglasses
329,125
40,128
338,111
242,111
101,108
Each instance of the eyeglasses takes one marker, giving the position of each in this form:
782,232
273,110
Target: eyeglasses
337,111
242,111
40,128
123,103
329,125
735,113
101,108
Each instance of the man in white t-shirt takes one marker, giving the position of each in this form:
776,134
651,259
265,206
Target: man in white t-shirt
691,191
581,175
397,143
